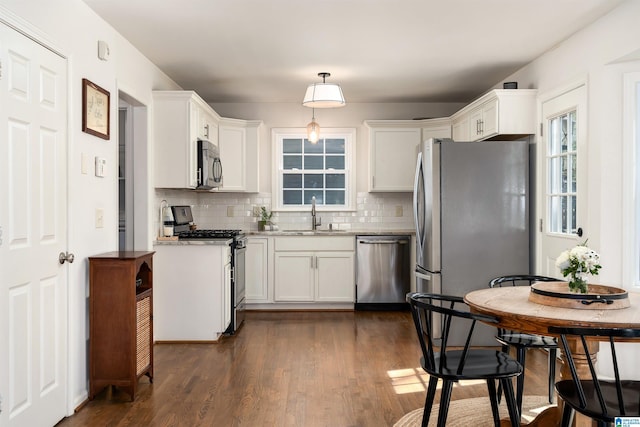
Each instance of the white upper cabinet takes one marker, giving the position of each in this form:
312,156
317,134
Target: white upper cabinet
460,128
500,114
179,119
239,153
392,154
208,125
436,128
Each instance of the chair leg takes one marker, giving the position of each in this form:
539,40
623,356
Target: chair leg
445,399
521,357
428,403
491,386
553,353
505,349
514,412
567,416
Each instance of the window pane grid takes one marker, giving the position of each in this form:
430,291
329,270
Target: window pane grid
562,174
310,170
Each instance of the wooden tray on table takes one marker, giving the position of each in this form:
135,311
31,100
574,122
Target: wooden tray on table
598,297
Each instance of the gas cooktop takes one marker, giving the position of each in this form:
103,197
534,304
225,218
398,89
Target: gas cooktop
209,234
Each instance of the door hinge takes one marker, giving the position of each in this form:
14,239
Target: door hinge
541,129
541,225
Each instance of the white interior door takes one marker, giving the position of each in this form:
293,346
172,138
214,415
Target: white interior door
562,160
33,226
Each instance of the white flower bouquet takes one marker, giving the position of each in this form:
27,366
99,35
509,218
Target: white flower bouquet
578,263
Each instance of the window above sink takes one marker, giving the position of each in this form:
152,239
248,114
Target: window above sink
325,169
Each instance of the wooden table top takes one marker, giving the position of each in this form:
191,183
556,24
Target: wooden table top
513,309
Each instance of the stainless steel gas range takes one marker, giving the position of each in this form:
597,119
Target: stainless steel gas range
182,218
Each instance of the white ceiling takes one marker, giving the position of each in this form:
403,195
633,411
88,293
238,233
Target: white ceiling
377,50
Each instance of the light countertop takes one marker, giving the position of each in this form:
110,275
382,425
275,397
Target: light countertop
325,232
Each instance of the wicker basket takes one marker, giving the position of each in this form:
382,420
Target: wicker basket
143,347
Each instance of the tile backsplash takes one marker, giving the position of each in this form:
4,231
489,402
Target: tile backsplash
375,211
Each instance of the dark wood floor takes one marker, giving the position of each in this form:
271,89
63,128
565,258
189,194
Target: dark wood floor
287,369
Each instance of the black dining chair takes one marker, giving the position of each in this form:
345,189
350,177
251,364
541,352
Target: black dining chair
522,341
599,399
454,364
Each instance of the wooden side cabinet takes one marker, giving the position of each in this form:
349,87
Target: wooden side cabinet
121,320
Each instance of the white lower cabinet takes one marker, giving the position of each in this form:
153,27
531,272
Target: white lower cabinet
314,269
191,292
335,277
295,278
257,270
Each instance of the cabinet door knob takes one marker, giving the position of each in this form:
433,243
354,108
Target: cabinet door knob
66,256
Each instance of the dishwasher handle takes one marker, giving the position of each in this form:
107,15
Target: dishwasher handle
384,242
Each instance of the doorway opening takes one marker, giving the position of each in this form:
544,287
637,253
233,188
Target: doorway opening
133,174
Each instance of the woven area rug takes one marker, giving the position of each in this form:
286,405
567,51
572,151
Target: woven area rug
476,412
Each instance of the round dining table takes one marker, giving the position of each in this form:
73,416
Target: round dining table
511,306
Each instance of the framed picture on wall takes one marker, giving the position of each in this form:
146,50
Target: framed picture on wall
95,110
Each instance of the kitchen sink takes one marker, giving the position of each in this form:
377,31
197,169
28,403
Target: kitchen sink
311,232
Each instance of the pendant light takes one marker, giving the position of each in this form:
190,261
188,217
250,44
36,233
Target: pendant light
313,129
324,95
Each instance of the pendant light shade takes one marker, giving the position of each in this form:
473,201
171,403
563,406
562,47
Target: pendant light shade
323,95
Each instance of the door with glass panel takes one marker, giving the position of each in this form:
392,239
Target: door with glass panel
562,163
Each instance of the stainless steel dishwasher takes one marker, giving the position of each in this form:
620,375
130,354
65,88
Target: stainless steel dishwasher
383,272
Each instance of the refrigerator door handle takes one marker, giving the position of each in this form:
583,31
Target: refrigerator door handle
419,235
423,276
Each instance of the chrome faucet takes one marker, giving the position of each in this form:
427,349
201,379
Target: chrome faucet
314,223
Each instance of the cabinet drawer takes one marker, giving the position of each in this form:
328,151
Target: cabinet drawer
315,243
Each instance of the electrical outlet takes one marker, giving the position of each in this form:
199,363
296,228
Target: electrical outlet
230,211
399,210
256,211
99,218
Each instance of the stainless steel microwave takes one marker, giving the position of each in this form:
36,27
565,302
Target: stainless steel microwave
209,165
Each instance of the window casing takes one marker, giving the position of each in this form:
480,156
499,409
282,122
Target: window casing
325,169
562,166
631,181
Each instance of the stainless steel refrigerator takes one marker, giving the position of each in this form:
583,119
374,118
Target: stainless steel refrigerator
471,212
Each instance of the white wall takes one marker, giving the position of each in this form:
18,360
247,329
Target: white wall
592,54
76,29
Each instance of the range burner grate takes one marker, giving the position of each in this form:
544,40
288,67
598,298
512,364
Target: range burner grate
209,234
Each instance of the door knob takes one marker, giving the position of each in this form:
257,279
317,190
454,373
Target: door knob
66,256
579,232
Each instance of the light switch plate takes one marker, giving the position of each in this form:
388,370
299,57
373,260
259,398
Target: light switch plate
99,218
101,166
399,210
229,211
